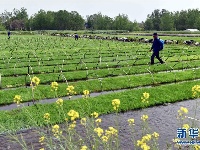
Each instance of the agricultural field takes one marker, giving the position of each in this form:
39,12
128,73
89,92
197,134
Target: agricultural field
119,68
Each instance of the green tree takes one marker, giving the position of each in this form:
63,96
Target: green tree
155,16
167,21
148,24
76,21
42,20
182,21
19,19
121,22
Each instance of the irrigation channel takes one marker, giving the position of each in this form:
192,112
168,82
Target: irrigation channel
162,119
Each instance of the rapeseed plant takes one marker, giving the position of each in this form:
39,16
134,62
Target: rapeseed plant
17,99
95,115
145,98
35,81
86,94
116,104
47,117
73,114
59,102
144,117
70,91
54,86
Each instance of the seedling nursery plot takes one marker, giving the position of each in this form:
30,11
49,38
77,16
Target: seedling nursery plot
93,65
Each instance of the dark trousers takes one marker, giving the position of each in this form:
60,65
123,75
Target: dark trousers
156,54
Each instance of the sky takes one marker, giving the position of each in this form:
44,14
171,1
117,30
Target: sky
135,9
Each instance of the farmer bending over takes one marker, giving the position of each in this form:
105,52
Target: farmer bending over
156,47
76,36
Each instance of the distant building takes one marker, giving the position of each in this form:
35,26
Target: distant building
192,30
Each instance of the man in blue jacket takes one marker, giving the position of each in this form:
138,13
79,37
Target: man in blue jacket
156,47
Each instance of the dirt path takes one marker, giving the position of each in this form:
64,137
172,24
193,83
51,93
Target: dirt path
162,119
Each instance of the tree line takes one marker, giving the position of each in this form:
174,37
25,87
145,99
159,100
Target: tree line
63,20
164,20
160,20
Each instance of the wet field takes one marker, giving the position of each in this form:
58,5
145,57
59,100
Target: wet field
162,119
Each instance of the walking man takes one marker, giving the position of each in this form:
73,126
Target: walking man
156,47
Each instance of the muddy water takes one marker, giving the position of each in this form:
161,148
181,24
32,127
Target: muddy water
162,119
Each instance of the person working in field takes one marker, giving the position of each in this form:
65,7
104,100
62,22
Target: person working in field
9,34
157,46
76,36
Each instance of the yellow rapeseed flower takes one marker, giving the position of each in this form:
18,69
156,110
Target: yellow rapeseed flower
196,91
46,116
146,138
56,131
83,121
17,99
59,102
131,121
55,128
73,114
95,115
54,86
144,146
145,97
86,93
41,139
139,143
72,126
111,132
70,90
155,134
182,111
83,148
186,126
35,81
99,131
144,117
197,147
116,104
104,138
98,121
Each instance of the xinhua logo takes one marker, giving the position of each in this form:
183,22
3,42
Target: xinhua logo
192,133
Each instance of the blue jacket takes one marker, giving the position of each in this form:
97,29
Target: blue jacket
157,45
